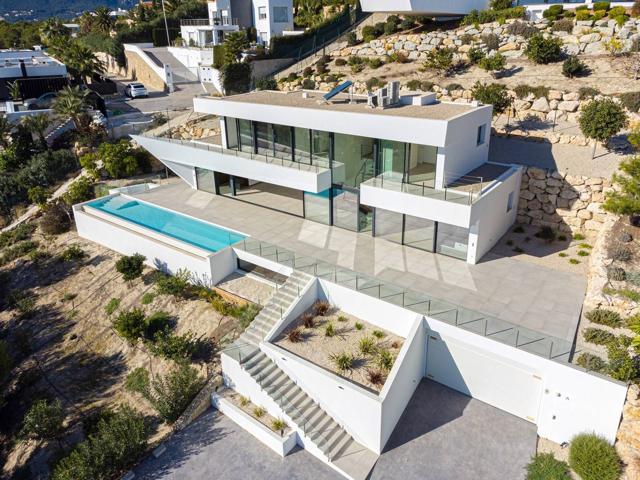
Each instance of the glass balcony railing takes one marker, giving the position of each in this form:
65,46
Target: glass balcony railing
464,195
318,166
537,343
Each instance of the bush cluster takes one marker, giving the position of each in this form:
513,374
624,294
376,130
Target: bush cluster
130,266
543,50
593,458
544,466
602,316
488,16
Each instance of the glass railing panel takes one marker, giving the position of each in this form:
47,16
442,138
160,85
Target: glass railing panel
240,351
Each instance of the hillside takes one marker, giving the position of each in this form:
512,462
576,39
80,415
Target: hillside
14,10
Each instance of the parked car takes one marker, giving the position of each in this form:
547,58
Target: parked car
43,102
135,90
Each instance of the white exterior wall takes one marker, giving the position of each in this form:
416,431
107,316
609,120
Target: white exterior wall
461,153
268,25
416,7
185,172
489,217
572,400
404,378
192,58
190,156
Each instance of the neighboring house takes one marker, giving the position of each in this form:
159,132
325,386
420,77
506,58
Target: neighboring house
268,17
36,72
415,173
74,29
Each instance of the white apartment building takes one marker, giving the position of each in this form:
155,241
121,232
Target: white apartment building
415,173
268,17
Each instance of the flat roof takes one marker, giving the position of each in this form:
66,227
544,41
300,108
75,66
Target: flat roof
347,103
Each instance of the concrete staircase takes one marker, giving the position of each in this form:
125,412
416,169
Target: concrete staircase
313,421
275,308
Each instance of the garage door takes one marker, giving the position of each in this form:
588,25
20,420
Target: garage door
511,387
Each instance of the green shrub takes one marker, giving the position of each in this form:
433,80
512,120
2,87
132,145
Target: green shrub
18,234
598,336
475,55
631,101
603,316
43,420
544,466
588,92
523,29
130,266
600,6
308,84
367,345
407,24
501,4
617,11
602,119
621,254
390,28
112,305
155,323
617,274
582,15
491,41
374,62
384,359
493,63
573,67
55,218
621,365
562,25
329,330
18,250
368,33
554,11
176,285
267,83
492,94
454,86
593,458
591,362
522,91
339,62
372,82
119,440
440,60
147,298
342,361
175,347
352,39
398,57
543,50
72,252
130,325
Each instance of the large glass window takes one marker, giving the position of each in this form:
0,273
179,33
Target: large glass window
419,233
452,240
388,225
321,141
345,209
392,159
303,145
264,138
282,141
280,14
204,180
232,132
353,161
422,164
316,206
223,183
246,135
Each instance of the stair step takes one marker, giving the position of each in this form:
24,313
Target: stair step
260,367
340,446
255,360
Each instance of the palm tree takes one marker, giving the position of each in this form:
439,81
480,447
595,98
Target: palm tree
71,102
53,28
102,21
14,90
37,124
83,62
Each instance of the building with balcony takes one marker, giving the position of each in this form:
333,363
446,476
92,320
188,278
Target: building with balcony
268,17
415,173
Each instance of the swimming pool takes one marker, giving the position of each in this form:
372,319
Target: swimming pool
195,232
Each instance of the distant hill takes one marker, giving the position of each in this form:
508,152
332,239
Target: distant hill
16,10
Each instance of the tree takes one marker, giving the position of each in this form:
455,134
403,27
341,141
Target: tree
71,102
234,45
492,94
102,21
236,78
131,267
79,191
117,440
543,50
625,200
602,119
493,64
119,159
130,325
171,394
440,60
501,4
38,195
44,420
55,219
37,124
51,29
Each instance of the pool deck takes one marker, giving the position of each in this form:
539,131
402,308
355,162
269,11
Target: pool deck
533,296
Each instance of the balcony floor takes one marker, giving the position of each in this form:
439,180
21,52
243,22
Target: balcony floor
512,289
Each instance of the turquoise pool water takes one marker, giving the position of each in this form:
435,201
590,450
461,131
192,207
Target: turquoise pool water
180,227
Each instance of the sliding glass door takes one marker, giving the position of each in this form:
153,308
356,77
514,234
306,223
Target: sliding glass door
392,159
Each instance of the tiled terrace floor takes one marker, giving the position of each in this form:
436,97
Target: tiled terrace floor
533,296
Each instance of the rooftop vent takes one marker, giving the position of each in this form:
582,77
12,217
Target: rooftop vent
385,97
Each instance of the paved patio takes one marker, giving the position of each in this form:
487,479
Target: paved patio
514,290
442,435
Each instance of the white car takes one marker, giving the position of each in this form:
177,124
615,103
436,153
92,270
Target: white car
135,90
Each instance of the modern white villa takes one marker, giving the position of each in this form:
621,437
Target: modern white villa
415,172
408,169
268,17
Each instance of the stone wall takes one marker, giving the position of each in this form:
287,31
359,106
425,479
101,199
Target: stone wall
566,203
137,69
586,38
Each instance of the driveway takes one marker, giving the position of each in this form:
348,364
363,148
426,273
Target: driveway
442,435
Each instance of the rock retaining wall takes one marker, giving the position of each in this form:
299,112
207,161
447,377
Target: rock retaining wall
566,203
586,38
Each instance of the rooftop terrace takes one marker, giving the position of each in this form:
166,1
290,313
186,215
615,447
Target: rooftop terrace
349,103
